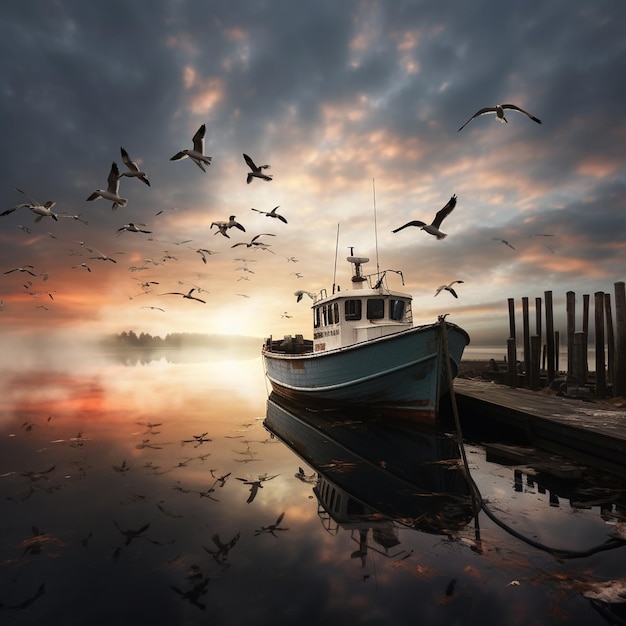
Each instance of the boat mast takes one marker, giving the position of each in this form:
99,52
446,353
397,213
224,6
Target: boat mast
375,229
336,251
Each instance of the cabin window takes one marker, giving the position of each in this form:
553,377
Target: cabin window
397,309
375,309
353,310
316,318
336,313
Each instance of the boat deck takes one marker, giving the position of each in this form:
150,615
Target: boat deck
591,432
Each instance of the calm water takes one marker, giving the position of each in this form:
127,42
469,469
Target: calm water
159,492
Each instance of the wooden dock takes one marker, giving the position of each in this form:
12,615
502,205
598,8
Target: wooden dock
589,432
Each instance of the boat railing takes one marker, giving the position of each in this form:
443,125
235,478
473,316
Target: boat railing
379,279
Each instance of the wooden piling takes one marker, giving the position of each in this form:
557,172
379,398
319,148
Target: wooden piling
526,328
620,339
538,328
511,302
557,349
511,351
600,356
610,340
570,306
579,357
551,362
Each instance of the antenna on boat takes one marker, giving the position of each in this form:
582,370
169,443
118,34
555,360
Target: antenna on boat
336,251
375,227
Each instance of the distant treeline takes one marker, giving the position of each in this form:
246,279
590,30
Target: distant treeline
130,339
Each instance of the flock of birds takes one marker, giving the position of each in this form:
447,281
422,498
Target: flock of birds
111,193
197,155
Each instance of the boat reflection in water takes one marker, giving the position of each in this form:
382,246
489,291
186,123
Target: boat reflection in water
374,474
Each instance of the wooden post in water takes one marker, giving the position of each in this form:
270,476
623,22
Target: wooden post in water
586,314
511,302
538,328
526,326
535,355
550,366
579,357
620,339
600,357
511,352
511,346
610,340
570,307
557,349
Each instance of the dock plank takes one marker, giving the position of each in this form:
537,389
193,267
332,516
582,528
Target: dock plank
591,432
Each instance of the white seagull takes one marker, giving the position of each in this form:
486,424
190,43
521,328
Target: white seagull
499,111
203,252
448,287
433,228
196,154
100,256
271,213
223,226
184,295
301,292
41,210
133,168
257,170
253,243
25,268
76,217
131,227
112,190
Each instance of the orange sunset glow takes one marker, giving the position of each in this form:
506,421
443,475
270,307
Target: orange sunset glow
353,153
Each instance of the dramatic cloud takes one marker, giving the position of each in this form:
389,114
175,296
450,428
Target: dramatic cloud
356,106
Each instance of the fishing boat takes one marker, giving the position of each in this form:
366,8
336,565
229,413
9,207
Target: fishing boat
366,352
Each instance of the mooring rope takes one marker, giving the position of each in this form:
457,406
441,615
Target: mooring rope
477,499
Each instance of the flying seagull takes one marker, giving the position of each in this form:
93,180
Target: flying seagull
76,217
203,252
25,268
257,170
41,210
112,190
448,287
433,228
223,226
100,256
271,213
499,111
184,295
197,153
301,292
504,241
133,168
254,243
131,227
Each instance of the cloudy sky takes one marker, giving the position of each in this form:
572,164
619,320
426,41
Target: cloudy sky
356,106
